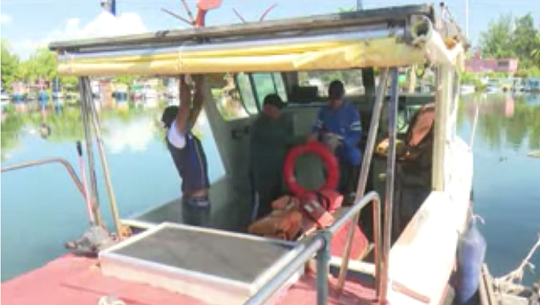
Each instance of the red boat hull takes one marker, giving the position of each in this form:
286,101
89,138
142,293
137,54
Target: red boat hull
73,280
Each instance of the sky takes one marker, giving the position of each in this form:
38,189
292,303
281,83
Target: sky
27,24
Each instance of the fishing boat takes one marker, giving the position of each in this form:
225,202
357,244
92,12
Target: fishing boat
532,84
153,258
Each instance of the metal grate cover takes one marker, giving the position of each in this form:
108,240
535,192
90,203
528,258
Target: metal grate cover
227,256
184,259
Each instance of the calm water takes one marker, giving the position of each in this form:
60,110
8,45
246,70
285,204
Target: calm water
41,208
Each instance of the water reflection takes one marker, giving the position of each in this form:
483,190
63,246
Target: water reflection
142,171
132,136
125,126
505,180
11,127
505,120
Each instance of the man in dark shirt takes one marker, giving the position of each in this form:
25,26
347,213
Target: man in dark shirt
188,154
271,137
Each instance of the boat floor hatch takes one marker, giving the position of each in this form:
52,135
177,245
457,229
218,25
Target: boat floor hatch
216,267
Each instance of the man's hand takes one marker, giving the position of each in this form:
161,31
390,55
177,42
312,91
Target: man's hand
332,141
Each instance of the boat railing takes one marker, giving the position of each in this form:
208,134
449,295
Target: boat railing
319,245
61,161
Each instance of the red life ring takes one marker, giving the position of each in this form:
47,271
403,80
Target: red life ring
321,151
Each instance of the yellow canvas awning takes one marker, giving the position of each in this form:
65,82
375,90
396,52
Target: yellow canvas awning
287,57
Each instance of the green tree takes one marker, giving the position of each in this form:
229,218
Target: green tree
44,63
10,66
535,53
497,40
523,42
509,38
70,81
41,64
126,79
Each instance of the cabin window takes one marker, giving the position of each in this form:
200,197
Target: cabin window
280,86
228,100
246,93
255,87
268,83
352,79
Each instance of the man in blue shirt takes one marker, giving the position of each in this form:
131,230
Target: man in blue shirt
338,126
188,154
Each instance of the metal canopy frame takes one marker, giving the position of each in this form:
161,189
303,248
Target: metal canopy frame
330,23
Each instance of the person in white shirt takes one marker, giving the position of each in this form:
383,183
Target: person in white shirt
188,154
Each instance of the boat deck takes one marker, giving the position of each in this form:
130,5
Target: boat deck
74,280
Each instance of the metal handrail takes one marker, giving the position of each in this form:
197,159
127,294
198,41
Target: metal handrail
319,244
62,161
381,274
268,290
362,181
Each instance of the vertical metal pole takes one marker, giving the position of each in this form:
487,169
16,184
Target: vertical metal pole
86,99
323,261
377,238
106,172
362,181
443,97
389,196
89,204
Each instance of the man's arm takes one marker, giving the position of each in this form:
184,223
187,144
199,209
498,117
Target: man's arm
182,118
198,99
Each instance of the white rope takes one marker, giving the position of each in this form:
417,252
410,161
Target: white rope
516,276
479,218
